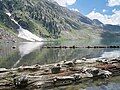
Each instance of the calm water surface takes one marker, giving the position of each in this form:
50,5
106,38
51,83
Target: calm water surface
30,53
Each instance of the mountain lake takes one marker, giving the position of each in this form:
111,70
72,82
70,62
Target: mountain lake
29,53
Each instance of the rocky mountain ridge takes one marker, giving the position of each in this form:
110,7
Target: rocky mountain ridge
48,20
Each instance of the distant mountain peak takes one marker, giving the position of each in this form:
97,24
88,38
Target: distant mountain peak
97,23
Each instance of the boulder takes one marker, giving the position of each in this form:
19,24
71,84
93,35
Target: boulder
21,82
69,63
55,69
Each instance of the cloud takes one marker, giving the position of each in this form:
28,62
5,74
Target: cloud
113,19
113,3
65,2
94,9
104,10
74,9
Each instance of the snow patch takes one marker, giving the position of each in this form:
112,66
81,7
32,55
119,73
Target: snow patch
25,34
9,14
15,22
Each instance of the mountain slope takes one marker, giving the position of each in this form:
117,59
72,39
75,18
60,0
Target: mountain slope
112,28
109,27
47,19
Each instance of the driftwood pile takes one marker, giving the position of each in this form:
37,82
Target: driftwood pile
58,74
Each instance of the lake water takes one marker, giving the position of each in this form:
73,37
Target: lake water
30,53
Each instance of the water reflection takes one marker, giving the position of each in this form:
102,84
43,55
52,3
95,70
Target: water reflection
112,54
30,53
112,83
111,86
28,47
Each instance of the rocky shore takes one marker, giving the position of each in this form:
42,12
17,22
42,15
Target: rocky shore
58,74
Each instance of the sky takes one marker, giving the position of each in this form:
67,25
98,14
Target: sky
106,11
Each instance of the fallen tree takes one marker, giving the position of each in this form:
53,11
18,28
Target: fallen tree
58,74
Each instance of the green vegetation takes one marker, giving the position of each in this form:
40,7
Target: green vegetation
46,19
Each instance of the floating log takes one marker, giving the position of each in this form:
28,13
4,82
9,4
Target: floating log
58,74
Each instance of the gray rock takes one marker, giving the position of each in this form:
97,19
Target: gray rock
21,82
69,63
55,69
